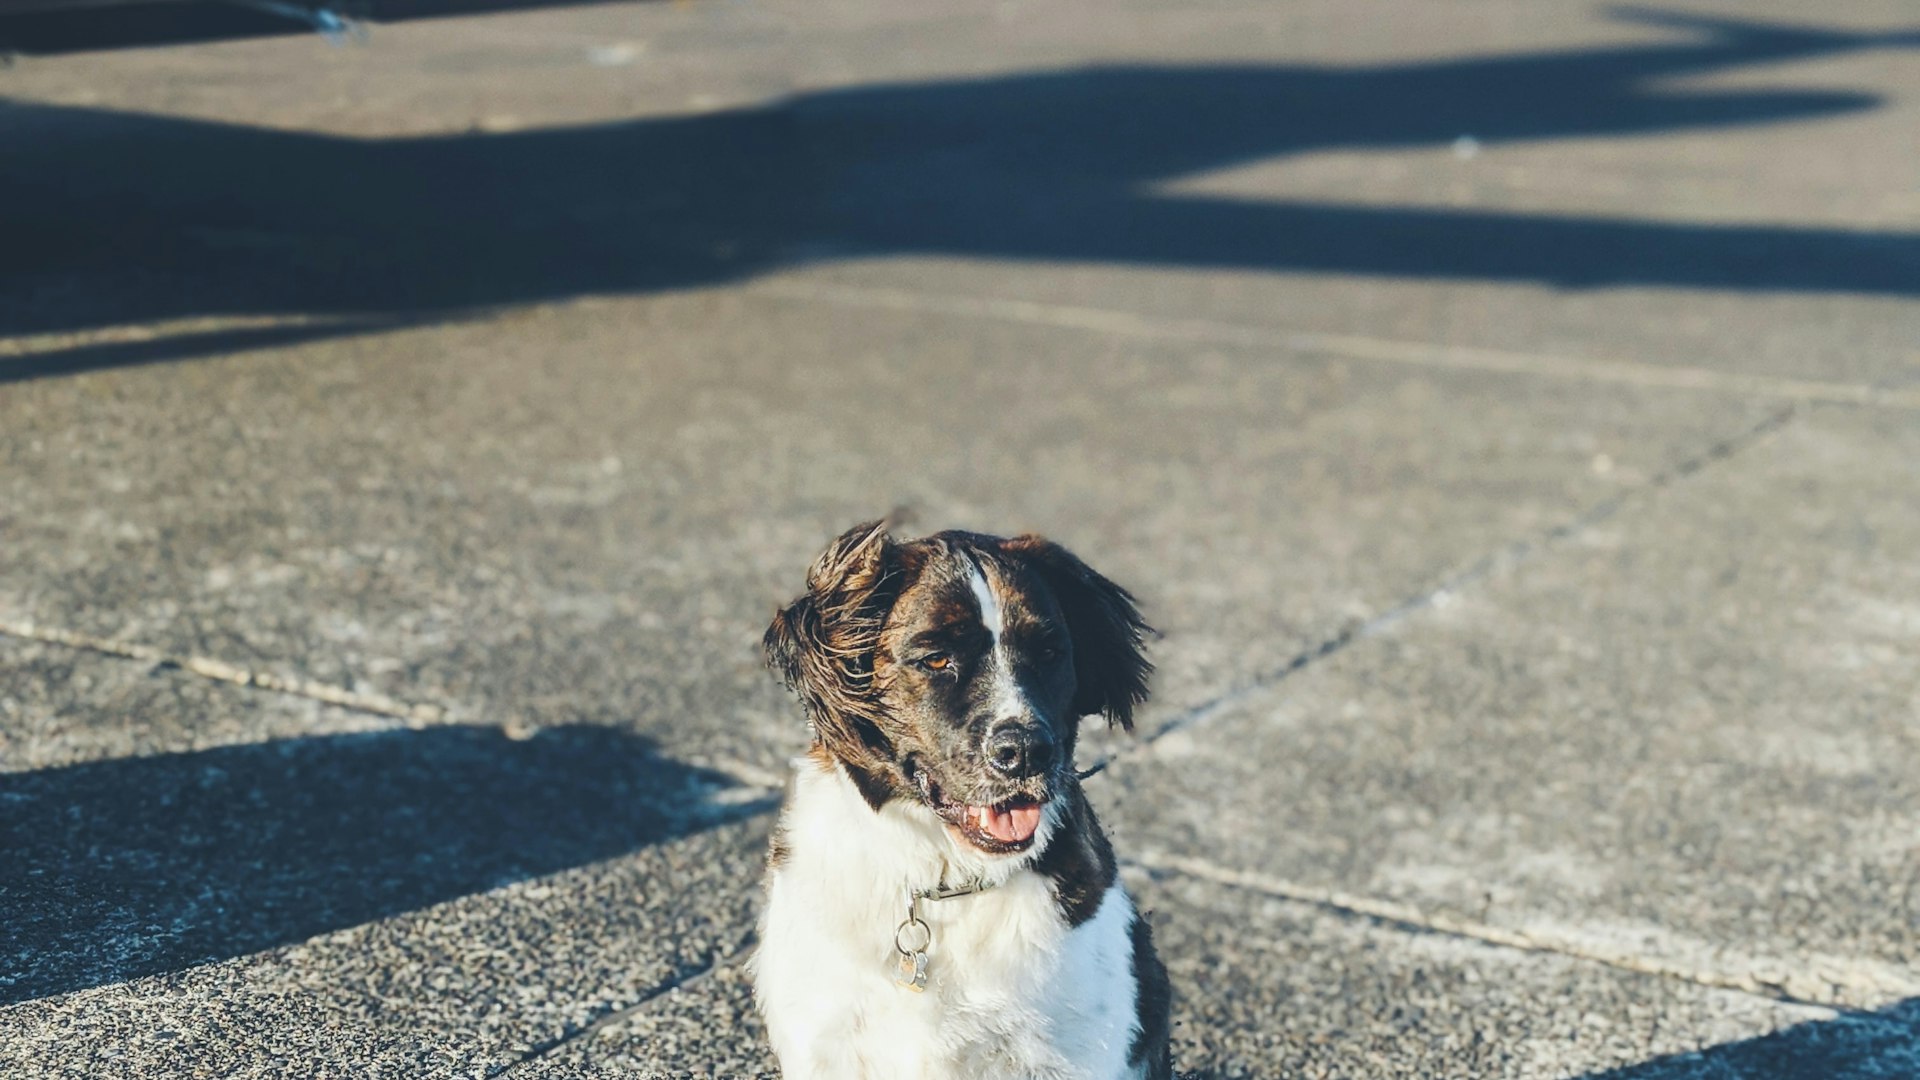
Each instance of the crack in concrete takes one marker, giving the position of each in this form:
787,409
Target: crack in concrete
1511,554
1828,983
221,671
742,950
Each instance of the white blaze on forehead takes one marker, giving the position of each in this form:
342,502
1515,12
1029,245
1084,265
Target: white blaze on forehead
1008,701
989,604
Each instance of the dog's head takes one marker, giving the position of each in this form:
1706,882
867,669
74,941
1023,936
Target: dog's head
953,671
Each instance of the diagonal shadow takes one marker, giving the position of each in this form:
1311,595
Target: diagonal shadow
118,869
1882,1045
113,218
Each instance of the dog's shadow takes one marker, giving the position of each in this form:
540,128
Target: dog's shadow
118,869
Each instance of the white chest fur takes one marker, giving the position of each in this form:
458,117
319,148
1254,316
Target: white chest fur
1012,990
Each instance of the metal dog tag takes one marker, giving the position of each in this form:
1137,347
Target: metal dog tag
913,957
913,972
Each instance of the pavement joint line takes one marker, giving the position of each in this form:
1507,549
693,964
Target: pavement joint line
1344,346
739,954
1832,983
1510,554
221,671
755,784
27,345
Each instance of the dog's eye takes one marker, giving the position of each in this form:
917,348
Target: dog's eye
936,661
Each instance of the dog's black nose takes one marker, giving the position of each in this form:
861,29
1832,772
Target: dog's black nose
1020,750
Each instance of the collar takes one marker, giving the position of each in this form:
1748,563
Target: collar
913,938
944,891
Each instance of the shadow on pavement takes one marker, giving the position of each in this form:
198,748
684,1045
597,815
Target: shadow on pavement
116,218
1883,1045
118,869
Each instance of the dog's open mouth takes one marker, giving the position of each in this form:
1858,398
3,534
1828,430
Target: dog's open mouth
1006,827
1001,828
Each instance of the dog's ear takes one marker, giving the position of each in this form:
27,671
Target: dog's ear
822,644
1110,668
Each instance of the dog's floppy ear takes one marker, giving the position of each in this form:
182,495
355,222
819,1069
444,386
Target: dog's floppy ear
1109,667
823,643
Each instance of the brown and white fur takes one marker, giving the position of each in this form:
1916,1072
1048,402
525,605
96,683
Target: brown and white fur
944,679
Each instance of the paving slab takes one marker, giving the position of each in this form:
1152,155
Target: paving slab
1685,733
529,502
585,516
206,880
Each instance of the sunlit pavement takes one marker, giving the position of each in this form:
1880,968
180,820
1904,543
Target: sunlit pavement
1508,413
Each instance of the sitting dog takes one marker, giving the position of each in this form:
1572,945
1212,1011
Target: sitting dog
942,903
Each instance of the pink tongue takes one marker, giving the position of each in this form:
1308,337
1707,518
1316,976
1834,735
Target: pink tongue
1010,826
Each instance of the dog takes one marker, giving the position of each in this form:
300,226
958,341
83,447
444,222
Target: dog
941,901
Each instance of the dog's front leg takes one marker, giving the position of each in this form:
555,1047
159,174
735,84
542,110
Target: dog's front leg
829,1021
814,1043
817,1004
818,1055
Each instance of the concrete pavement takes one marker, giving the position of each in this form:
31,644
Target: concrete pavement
1508,413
